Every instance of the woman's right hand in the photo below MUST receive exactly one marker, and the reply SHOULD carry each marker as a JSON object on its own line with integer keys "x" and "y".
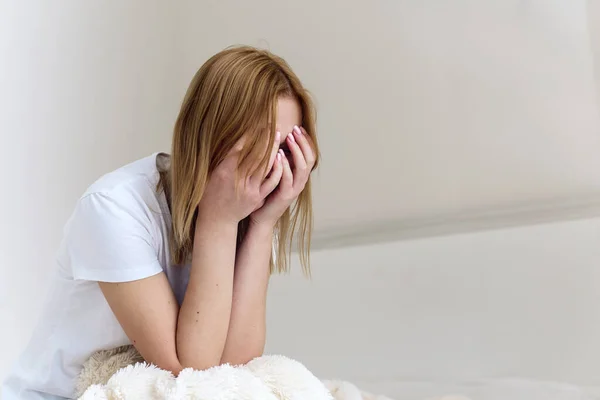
{"x": 221, "y": 201}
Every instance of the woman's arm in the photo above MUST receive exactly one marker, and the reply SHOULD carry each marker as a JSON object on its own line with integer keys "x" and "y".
{"x": 204, "y": 316}
{"x": 147, "y": 311}
{"x": 193, "y": 336}
{"x": 246, "y": 336}
{"x": 247, "y": 327}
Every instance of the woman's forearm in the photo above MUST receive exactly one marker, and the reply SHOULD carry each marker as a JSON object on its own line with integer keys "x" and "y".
{"x": 204, "y": 316}
{"x": 247, "y": 327}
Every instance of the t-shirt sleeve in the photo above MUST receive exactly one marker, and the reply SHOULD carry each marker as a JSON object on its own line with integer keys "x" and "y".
{"x": 110, "y": 240}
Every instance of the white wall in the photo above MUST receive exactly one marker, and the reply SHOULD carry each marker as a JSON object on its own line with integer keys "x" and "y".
{"x": 84, "y": 88}
{"x": 424, "y": 109}
{"x": 519, "y": 302}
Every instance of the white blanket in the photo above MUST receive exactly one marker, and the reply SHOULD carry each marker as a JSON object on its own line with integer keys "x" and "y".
{"x": 121, "y": 374}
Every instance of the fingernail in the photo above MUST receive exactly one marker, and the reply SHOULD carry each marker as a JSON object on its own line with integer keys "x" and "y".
{"x": 280, "y": 153}
{"x": 278, "y": 156}
{"x": 291, "y": 137}
{"x": 278, "y": 136}
{"x": 297, "y": 130}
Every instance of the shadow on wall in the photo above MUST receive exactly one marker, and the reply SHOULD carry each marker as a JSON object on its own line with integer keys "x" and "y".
{"x": 518, "y": 302}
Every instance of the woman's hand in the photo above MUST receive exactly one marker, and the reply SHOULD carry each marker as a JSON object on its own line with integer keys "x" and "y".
{"x": 223, "y": 202}
{"x": 292, "y": 182}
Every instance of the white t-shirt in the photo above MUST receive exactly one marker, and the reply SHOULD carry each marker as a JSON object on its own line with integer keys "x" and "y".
{"x": 117, "y": 233}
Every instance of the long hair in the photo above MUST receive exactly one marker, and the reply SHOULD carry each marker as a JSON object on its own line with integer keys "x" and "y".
{"x": 233, "y": 93}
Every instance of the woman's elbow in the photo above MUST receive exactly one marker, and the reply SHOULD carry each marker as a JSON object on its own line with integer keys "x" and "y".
{"x": 167, "y": 362}
{"x": 175, "y": 369}
{"x": 242, "y": 357}
{"x": 201, "y": 363}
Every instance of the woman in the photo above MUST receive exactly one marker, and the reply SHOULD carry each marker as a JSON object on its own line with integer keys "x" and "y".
{"x": 173, "y": 253}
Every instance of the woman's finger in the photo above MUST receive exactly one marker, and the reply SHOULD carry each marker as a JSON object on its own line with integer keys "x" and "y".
{"x": 259, "y": 176}
{"x": 305, "y": 143}
{"x": 273, "y": 180}
{"x": 287, "y": 178}
{"x": 300, "y": 165}
{"x": 274, "y": 152}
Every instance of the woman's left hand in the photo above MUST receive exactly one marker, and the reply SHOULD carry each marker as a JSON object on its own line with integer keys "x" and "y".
{"x": 292, "y": 182}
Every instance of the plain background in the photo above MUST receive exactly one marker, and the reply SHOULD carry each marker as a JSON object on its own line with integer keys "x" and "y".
{"x": 429, "y": 111}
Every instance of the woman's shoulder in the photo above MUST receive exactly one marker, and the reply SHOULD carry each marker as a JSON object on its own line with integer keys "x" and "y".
{"x": 118, "y": 226}
{"x": 127, "y": 196}
{"x": 137, "y": 176}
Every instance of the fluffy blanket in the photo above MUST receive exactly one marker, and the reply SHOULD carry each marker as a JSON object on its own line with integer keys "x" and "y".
{"x": 122, "y": 374}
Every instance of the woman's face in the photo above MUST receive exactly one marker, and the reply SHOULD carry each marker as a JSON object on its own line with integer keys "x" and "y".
{"x": 289, "y": 114}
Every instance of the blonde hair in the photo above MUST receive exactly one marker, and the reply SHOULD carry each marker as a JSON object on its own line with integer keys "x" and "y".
{"x": 235, "y": 92}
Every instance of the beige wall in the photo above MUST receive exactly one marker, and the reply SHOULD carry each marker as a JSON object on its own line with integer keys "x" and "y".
{"x": 431, "y": 108}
